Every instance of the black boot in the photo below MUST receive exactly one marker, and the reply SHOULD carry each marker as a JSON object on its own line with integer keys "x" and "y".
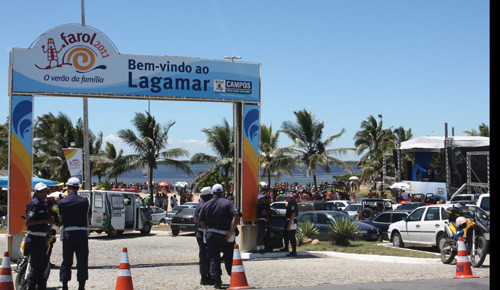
{"x": 81, "y": 285}
{"x": 65, "y": 285}
{"x": 207, "y": 280}
{"x": 218, "y": 284}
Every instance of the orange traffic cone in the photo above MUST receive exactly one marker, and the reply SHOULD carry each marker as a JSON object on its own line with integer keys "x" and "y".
{"x": 238, "y": 278}
{"x": 6, "y": 282}
{"x": 124, "y": 281}
{"x": 463, "y": 264}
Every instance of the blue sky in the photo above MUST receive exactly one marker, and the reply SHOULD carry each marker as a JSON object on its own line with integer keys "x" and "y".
{"x": 420, "y": 64}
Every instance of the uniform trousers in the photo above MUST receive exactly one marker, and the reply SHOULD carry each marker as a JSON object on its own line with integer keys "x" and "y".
{"x": 75, "y": 242}
{"x": 203, "y": 255}
{"x": 37, "y": 247}
{"x": 289, "y": 237}
{"x": 217, "y": 243}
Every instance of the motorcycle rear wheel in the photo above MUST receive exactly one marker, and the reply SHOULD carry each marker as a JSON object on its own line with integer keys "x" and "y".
{"x": 448, "y": 252}
{"x": 21, "y": 282}
{"x": 477, "y": 259}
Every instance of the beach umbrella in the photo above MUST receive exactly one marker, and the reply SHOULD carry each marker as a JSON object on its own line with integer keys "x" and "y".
{"x": 55, "y": 195}
{"x": 180, "y": 184}
{"x": 163, "y": 183}
{"x": 4, "y": 180}
{"x": 263, "y": 183}
{"x": 353, "y": 178}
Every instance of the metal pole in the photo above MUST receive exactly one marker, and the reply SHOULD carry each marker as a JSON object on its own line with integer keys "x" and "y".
{"x": 86, "y": 154}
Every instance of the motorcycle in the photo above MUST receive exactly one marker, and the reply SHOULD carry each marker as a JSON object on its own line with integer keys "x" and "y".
{"x": 24, "y": 263}
{"x": 475, "y": 233}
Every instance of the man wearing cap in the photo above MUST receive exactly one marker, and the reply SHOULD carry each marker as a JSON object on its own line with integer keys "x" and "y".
{"x": 74, "y": 210}
{"x": 38, "y": 222}
{"x": 292, "y": 211}
{"x": 220, "y": 217}
{"x": 206, "y": 195}
{"x": 263, "y": 214}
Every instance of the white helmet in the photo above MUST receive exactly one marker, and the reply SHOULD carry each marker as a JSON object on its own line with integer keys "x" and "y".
{"x": 460, "y": 221}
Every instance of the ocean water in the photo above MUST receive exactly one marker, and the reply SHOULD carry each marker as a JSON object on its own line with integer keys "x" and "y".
{"x": 172, "y": 175}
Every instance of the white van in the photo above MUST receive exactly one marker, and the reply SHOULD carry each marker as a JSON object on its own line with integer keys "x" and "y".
{"x": 114, "y": 212}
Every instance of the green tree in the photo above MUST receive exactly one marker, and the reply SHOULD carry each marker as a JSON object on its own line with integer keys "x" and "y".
{"x": 149, "y": 145}
{"x": 52, "y": 134}
{"x": 307, "y": 134}
{"x": 4, "y": 146}
{"x": 221, "y": 139}
{"x": 373, "y": 141}
{"x": 274, "y": 160}
{"x": 484, "y": 130}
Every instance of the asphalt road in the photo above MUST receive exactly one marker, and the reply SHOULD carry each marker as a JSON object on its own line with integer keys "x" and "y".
{"x": 442, "y": 284}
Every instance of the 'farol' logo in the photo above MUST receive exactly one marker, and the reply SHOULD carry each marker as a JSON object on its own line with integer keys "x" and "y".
{"x": 80, "y": 51}
{"x": 229, "y": 86}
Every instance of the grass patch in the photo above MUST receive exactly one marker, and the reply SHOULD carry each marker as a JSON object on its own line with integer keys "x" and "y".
{"x": 364, "y": 247}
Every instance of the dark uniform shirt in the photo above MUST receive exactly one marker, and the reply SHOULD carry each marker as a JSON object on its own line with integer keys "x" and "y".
{"x": 197, "y": 212}
{"x": 74, "y": 210}
{"x": 263, "y": 207}
{"x": 292, "y": 207}
{"x": 37, "y": 210}
{"x": 218, "y": 213}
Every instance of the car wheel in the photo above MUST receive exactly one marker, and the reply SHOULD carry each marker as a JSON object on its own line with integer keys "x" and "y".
{"x": 367, "y": 213}
{"x": 440, "y": 241}
{"x": 397, "y": 241}
{"x": 175, "y": 231}
{"x": 162, "y": 221}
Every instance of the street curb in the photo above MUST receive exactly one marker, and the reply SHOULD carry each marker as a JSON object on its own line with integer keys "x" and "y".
{"x": 361, "y": 257}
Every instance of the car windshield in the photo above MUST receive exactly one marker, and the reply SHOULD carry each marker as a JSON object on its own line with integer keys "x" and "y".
{"x": 338, "y": 214}
{"x": 179, "y": 207}
{"x": 353, "y": 207}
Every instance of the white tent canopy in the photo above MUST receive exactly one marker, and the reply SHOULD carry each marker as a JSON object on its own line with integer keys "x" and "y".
{"x": 437, "y": 142}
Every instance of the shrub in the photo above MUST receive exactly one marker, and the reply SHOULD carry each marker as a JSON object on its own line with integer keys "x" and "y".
{"x": 342, "y": 230}
{"x": 306, "y": 230}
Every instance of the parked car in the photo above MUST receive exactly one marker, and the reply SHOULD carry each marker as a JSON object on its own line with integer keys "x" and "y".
{"x": 158, "y": 215}
{"x": 353, "y": 210}
{"x": 383, "y": 219}
{"x": 410, "y": 206}
{"x": 323, "y": 220}
{"x": 280, "y": 207}
{"x": 341, "y": 204}
{"x": 425, "y": 226}
{"x": 371, "y": 206}
{"x": 463, "y": 199}
{"x": 316, "y": 205}
{"x": 183, "y": 221}
{"x": 177, "y": 209}
{"x": 484, "y": 202}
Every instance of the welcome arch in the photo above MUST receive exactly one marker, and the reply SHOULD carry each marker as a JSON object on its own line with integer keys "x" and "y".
{"x": 73, "y": 60}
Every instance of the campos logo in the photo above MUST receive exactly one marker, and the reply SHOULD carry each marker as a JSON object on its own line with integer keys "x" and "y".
{"x": 80, "y": 51}
{"x": 229, "y": 86}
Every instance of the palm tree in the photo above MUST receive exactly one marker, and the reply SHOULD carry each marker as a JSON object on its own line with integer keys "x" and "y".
{"x": 484, "y": 130}
{"x": 221, "y": 139}
{"x": 376, "y": 141}
{"x": 401, "y": 135}
{"x": 307, "y": 134}
{"x": 274, "y": 160}
{"x": 52, "y": 134}
{"x": 150, "y": 144}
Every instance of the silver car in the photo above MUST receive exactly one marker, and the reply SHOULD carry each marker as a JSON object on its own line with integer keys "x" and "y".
{"x": 158, "y": 215}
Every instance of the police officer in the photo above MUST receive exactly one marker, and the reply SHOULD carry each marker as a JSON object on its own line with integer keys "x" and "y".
{"x": 263, "y": 212}
{"x": 74, "y": 211}
{"x": 38, "y": 222}
{"x": 206, "y": 195}
{"x": 292, "y": 211}
{"x": 220, "y": 217}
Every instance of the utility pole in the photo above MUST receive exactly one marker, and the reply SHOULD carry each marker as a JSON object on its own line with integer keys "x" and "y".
{"x": 86, "y": 147}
